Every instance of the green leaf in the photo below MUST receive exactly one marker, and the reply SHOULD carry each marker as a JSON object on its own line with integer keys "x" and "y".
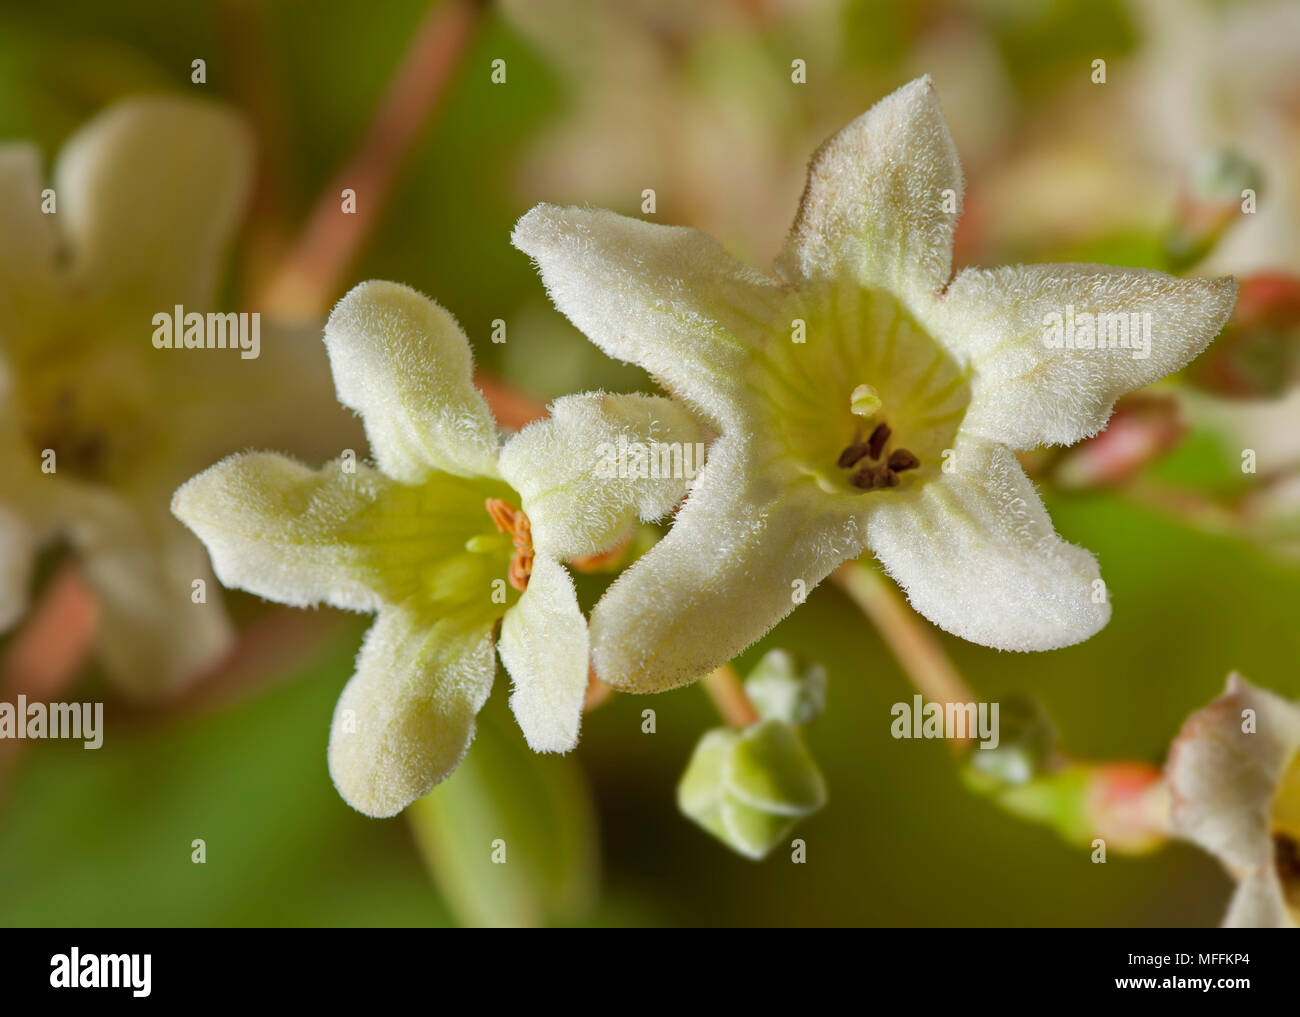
{"x": 510, "y": 837}
{"x": 105, "y": 838}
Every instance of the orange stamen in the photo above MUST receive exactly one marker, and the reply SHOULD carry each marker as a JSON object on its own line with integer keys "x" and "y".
{"x": 511, "y": 520}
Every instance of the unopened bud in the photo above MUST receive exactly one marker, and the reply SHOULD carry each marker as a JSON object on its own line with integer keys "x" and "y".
{"x": 782, "y": 687}
{"x": 750, "y": 788}
{"x": 1142, "y": 429}
{"x": 1026, "y": 740}
{"x": 1212, "y": 202}
{"x": 1258, "y": 353}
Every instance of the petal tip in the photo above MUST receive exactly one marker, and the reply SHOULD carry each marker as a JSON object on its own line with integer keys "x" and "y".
{"x": 540, "y": 227}
{"x": 357, "y": 302}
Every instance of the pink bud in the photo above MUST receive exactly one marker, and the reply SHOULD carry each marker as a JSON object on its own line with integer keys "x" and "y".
{"x": 1143, "y": 428}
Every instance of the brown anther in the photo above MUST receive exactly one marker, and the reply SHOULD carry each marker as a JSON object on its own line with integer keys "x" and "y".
{"x": 885, "y": 477}
{"x": 851, "y": 455}
{"x": 876, "y": 443}
{"x": 901, "y": 459}
{"x": 511, "y": 520}
{"x": 865, "y": 478}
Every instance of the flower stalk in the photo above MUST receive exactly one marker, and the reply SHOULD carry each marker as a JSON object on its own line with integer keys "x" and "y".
{"x": 728, "y": 694}
{"x": 913, "y": 644}
{"x": 310, "y": 275}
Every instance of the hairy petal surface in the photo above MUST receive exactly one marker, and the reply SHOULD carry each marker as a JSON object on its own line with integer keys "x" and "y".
{"x": 401, "y": 361}
{"x": 976, "y": 553}
{"x": 668, "y": 298}
{"x": 149, "y": 194}
{"x": 1223, "y": 779}
{"x": 277, "y": 528}
{"x": 740, "y": 551}
{"x": 543, "y": 645}
{"x": 407, "y": 716}
{"x": 873, "y": 210}
{"x": 567, "y": 468}
{"x": 344, "y": 535}
{"x": 1026, "y": 393}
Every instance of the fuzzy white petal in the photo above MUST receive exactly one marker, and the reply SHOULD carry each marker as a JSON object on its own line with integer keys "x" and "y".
{"x": 543, "y": 645}
{"x": 149, "y": 194}
{"x": 407, "y": 716}
{"x": 401, "y": 361}
{"x": 1258, "y": 903}
{"x": 976, "y": 553}
{"x": 1223, "y": 779}
{"x": 276, "y": 528}
{"x": 874, "y": 207}
{"x": 668, "y": 298}
{"x": 27, "y": 256}
{"x": 740, "y": 552}
{"x": 1026, "y": 394}
{"x": 567, "y": 472}
{"x": 151, "y": 635}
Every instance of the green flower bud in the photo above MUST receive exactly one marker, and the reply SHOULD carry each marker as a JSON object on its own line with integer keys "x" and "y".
{"x": 750, "y": 788}
{"x": 1056, "y": 800}
{"x": 783, "y": 687}
{"x": 1026, "y": 740}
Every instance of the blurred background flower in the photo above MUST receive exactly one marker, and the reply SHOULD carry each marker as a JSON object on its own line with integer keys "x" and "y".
{"x": 702, "y": 104}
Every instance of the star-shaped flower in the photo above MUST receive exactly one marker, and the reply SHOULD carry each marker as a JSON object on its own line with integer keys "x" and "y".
{"x": 97, "y": 426}
{"x": 1234, "y": 778}
{"x": 865, "y": 399}
{"x": 451, "y": 533}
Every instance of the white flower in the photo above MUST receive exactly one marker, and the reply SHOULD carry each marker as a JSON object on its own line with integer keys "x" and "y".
{"x": 448, "y": 536}
{"x": 864, "y": 330}
{"x": 1234, "y": 778}
{"x": 97, "y": 426}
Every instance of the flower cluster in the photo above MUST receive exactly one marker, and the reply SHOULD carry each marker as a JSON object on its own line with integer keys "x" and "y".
{"x": 96, "y": 426}
{"x": 863, "y": 399}
{"x": 860, "y": 400}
